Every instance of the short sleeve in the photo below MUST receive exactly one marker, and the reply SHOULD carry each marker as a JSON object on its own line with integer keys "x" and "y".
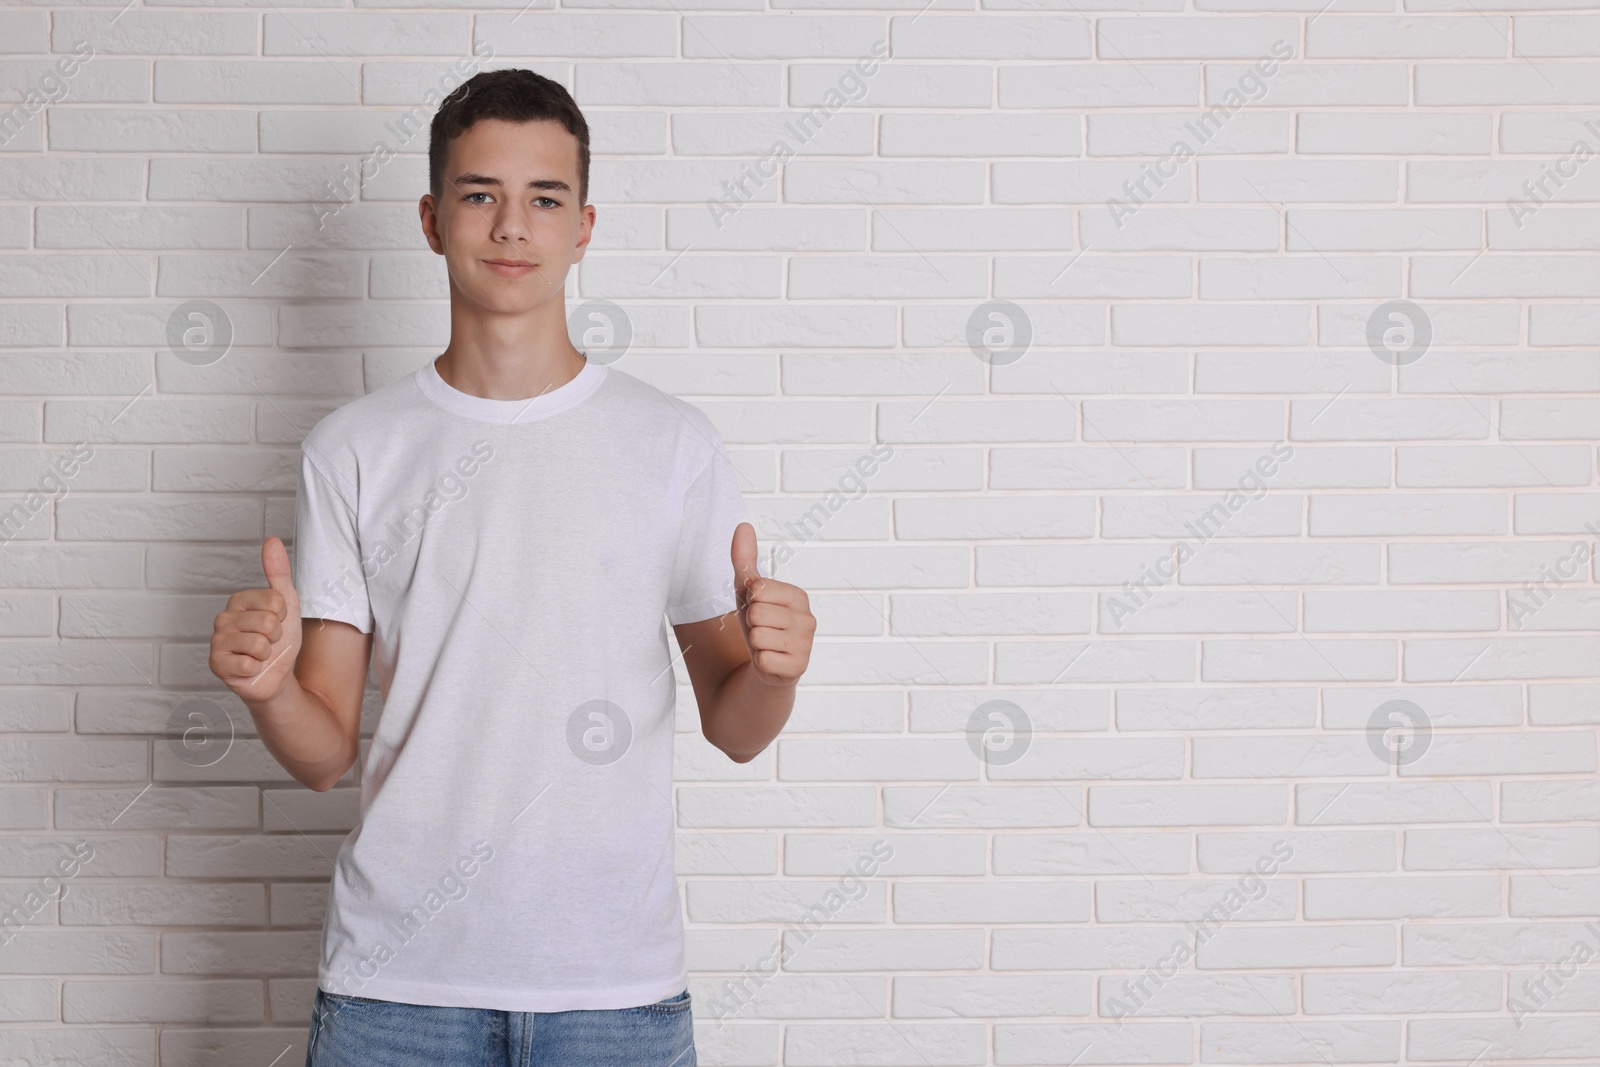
{"x": 327, "y": 552}
{"x": 702, "y": 579}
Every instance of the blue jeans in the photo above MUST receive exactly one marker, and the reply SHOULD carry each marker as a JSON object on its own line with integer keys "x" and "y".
{"x": 358, "y": 1032}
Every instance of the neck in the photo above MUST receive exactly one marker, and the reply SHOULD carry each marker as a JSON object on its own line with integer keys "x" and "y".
{"x": 507, "y": 375}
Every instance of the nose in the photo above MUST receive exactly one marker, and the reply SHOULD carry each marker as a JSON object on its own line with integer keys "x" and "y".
{"x": 509, "y": 224}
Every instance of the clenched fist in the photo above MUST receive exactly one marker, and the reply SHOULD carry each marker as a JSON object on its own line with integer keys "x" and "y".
{"x": 257, "y": 636}
{"x": 775, "y": 616}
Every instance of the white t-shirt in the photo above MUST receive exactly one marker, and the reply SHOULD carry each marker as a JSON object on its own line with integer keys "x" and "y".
{"x": 518, "y": 562}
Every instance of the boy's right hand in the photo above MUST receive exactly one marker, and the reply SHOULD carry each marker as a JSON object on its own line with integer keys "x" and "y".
{"x": 257, "y": 636}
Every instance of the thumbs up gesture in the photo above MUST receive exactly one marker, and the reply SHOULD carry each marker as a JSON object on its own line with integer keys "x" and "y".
{"x": 775, "y": 616}
{"x": 256, "y": 638}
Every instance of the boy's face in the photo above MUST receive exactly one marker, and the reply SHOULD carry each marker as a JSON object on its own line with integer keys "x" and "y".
{"x": 507, "y": 219}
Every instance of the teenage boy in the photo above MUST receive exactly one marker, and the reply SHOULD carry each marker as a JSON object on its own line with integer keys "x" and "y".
{"x": 515, "y": 525}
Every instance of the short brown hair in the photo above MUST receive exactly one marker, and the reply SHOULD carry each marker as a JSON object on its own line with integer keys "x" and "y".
{"x": 515, "y": 95}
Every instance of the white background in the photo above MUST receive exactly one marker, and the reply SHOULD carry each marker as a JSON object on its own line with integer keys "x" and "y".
{"x": 1170, "y": 750}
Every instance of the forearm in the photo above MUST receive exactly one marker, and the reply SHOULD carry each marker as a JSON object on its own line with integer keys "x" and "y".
{"x": 302, "y": 734}
{"x": 746, "y": 714}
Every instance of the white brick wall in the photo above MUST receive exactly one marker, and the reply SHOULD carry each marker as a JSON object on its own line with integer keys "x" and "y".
{"x": 1188, "y": 726}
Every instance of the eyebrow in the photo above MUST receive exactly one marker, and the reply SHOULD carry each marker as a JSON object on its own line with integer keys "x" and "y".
{"x": 537, "y": 183}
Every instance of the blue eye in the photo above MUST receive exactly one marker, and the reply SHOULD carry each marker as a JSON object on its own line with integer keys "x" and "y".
{"x": 543, "y": 199}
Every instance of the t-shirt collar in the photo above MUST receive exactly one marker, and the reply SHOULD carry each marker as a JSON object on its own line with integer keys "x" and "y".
{"x": 531, "y": 409}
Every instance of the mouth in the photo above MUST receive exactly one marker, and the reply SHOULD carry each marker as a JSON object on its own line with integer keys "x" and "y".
{"x": 508, "y": 268}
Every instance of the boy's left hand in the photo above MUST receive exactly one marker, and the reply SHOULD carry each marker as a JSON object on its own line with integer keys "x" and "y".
{"x": 775, "y": 616}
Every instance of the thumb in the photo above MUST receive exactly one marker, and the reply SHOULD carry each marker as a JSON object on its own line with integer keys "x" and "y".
{"x": 275, "y": 564}
{"x": 743, "y": 554}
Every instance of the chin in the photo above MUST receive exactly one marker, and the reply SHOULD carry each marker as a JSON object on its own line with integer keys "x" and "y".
{"x": 506, "y": 303}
